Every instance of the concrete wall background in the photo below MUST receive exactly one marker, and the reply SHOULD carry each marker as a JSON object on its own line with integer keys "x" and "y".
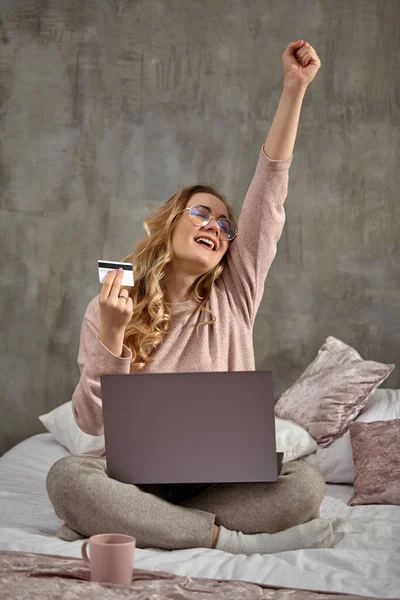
{"x": 109, "y": 107}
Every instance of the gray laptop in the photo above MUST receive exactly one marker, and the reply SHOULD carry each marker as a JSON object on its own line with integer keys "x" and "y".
{"x": 187, "y": 428}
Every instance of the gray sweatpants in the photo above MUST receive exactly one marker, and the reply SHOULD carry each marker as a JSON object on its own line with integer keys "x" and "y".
{"x": 90, "y": 502}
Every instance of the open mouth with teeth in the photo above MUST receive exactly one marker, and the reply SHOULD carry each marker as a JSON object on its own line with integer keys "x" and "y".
{"x": 206, "y": 243}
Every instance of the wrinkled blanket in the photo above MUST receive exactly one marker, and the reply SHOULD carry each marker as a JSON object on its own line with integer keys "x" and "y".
{"x": 29, "y": 576}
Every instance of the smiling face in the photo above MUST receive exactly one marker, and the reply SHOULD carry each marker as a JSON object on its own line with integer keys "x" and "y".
{"x": 193, "y": 256}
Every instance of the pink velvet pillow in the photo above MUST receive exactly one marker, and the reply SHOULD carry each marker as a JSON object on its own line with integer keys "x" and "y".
{"x": 376, "y": 462}
{"x": 332, "y": 391}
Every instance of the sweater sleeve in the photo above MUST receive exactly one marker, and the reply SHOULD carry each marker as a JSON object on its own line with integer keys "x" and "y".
{"x": 260, "y": 226}
{"x": 94, "y": 360}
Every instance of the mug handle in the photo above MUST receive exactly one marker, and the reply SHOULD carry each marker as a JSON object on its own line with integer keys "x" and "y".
{"x": 85, "y": 557}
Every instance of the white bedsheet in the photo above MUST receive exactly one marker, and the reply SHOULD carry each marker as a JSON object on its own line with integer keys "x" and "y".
{"x": 365, "y": 559}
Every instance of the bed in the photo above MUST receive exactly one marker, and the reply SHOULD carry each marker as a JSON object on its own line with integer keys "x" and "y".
{"x": 364, "y": 559}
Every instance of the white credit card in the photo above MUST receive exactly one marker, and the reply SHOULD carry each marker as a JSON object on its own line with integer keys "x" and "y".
{"x": 105, "y": 266}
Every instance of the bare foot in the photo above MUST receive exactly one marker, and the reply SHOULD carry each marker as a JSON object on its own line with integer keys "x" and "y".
{"x": 215, "y": 533}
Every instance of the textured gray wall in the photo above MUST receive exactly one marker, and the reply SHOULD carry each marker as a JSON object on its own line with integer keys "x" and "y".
{"x": 111, "y": 106}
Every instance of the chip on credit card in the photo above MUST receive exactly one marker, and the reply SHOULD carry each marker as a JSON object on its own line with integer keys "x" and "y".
{"x": 105, "y": 266}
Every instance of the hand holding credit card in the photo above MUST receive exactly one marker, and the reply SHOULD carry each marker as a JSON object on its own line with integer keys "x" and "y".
{"x": 116, "y": 307}
{"x": 104, "y": 266}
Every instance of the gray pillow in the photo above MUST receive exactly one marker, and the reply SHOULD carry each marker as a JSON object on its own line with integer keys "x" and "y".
{"x": 332, "y": 391}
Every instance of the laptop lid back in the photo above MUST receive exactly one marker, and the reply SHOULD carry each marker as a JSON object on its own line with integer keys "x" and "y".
{"x": 190, "y": 427}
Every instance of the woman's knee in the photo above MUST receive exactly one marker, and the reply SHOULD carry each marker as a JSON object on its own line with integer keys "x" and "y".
{"x": 57, "y": 476}
{"x": 310, "y": 486}
{"x": 64, "y": 476}
{"x": 316, "y": 481}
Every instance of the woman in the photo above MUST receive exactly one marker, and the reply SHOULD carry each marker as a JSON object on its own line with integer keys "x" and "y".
{"x": 196, "y": 262}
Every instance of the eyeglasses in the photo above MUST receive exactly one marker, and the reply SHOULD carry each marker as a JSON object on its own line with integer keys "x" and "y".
{"x": 201, "y": 216}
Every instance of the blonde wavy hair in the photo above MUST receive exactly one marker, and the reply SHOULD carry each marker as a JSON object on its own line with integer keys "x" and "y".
{"x": 151, "y": 310}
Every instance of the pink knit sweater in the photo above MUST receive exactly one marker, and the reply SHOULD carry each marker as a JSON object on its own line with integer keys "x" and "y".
{"x": 227, "y": 345}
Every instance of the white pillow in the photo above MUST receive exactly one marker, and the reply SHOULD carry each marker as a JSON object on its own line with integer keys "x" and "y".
{"x": 291, "y": 439}
{"x": 61, "y": 424}
{"x": 336, "y": 462}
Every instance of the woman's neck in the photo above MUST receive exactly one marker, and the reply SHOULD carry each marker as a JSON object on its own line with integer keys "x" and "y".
{"x": 177, "y": 286}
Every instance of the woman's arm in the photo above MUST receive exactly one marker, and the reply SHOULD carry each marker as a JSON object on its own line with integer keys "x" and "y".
{"x": 262, "y": 217}
{"x": 95, "y": 358}
{"x": 282, "y": 134}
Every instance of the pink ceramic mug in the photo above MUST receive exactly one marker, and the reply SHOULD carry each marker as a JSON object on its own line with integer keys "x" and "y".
{"x": 111, "y": 557}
